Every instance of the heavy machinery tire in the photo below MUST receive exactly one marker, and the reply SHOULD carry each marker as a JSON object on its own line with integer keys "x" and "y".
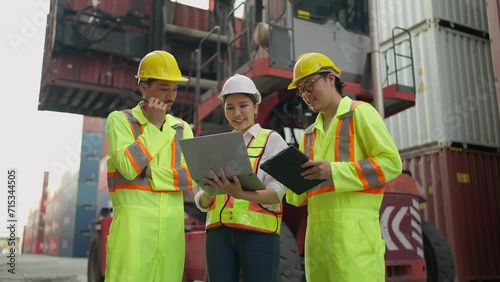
{"x": 94, "y": 259}
{"x": 290, "y": 265}
{"x": 438, "y": 256}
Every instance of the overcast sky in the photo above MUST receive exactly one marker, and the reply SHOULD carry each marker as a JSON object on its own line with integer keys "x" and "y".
{"x": 32, "y": 141}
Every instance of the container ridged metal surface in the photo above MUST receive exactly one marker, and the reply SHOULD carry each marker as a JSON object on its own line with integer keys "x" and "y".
{"x": 409, "y": 13}
{"x": 455, "y": 99}
{"x": 462, "y": 201}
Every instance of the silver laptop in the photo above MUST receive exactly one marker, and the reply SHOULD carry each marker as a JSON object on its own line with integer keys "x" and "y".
{"x": 216, "y": 151}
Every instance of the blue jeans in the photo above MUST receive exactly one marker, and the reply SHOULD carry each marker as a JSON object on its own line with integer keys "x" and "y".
{"x": 227, "y": 250}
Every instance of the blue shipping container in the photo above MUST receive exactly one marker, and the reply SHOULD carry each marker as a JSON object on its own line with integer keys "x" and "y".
{"x": 84, "y": 216}
{"x": 91, "y": 144}
{"x": 74, "y": 243}
{"x": 68, "y": 219}
{"x": 87, "y": 193}
{"x": 66, "y": 244}
{"x": 69, "y": 193}
{"x": 79, "y": 218}
{"x": 89, "y": 169}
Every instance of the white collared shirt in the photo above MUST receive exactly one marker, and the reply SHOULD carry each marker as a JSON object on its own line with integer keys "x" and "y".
{"x": 275, "y": 144}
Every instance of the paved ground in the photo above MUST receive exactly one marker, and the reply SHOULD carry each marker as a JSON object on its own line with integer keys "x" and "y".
{"x": 43, "y": 268}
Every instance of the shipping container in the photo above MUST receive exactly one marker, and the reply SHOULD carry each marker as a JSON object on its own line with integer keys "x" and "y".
{"x": 23, "y": 251}
{"x": 455, "y": 99}
{"x": 53, "y": 245}
{"x": 69, "y": 196}
{"x": 66, "y": 243}
{"x": 409, "y": 13}
{"x": 82, "y": 74}
{"x": 28, "y": 233}
{"x": 113, "y": 7}
{"x": 93, "y": 124}
{"x": 33, "y": 240}
{"x": 54, "y": 214}
{"x": 68, "y": 220}
{"x": 89, "y": 169}
{"x": 87, "y": 193}
{"x": 74, "y": 243}
{"x": 91, "y": 144}
{"x": 78, "y": 218}
{"x": 461, "y": 188}
{"x": 37, "y": 230}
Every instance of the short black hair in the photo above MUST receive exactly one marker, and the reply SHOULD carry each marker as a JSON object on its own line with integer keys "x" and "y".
{"x": 339, "y": 85}
{"x": 149, "y": 81}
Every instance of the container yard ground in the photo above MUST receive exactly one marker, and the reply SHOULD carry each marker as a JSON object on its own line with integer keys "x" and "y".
{"x": 43, "y": 268}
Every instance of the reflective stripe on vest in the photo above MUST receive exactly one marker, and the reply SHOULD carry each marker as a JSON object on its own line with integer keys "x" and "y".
{"x": 139, "y": 157}
{"x": 243, "y": 214}
{"x": 368, "y": 171}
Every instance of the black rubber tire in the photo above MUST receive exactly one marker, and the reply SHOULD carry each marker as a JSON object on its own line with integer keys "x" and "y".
{"x": 290, "y": 263}
{"x": 94, "y": 259}
{"x": 438, "y": 256}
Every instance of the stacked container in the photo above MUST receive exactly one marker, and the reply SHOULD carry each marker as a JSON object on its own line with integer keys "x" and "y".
{"x": 53, "y": 223}
{"x": 28, "y": 233}
{"x": 34, "y": 231}
{"x": 81, "y": 193}
{"x": 450, "y": 140}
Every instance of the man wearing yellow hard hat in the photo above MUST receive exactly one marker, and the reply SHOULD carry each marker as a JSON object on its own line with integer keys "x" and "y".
{"x": 350, "y": 148}
{"x": 146, "y": 178}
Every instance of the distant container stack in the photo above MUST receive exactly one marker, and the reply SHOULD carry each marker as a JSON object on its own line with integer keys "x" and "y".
{"x": 61, "y": 224}
{"x": 53, "y": 224}
{"x": 81, "y": 193}
{"x": 34, "y": 231}
{"x": 450, "y": 140}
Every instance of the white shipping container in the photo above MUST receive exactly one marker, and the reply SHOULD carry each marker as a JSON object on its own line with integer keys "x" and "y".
{"x": 410, "y": 13}
{"x": 456, "y": 99}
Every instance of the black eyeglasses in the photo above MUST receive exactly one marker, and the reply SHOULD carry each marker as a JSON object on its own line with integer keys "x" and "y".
{"x": 309, "y": 85}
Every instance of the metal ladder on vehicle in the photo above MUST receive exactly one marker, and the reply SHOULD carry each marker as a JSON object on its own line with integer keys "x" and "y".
{"x": 398, "y": 56}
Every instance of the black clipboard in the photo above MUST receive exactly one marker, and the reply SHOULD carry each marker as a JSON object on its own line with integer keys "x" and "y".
{"x": 285, "y": 167}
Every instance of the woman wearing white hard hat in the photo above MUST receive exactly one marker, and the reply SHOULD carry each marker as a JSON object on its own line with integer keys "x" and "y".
{"x": 242, "y": 227}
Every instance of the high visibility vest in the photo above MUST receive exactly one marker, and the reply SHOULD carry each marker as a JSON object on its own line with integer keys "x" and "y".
{"x": 367, "y": 171}
{"x": 243, "y": 214}
{"x": 139, "y": 157}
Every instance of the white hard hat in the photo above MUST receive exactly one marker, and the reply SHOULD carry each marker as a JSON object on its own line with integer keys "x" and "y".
{"x": 240, "y": 84}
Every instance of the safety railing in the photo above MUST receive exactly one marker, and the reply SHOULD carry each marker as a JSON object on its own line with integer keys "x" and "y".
{"x": 408, "y": 62}
{"x": 234, "y": 37}
{"x": 200, "y": 64}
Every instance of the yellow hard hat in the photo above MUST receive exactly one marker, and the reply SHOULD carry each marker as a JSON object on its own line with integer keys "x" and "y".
{"x": 159, "y": 65}
{"x": 311, "y": 63}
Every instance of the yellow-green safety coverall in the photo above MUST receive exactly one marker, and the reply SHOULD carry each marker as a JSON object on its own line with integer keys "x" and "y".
{"x": 343, "y": 236}
{"x": 146, "y": 240}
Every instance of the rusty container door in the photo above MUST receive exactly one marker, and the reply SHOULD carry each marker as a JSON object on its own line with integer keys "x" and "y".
{"x": 462, "y": 191}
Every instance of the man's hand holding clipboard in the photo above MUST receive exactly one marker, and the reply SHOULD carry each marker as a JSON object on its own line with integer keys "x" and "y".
{"x": 286, "y": 168}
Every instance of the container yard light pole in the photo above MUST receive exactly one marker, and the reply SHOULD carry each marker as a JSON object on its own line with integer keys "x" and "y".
{"x": 378, "y": 96}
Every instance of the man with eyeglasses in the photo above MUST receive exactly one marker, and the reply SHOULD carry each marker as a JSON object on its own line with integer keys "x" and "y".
{"x": 350, "y": 148}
